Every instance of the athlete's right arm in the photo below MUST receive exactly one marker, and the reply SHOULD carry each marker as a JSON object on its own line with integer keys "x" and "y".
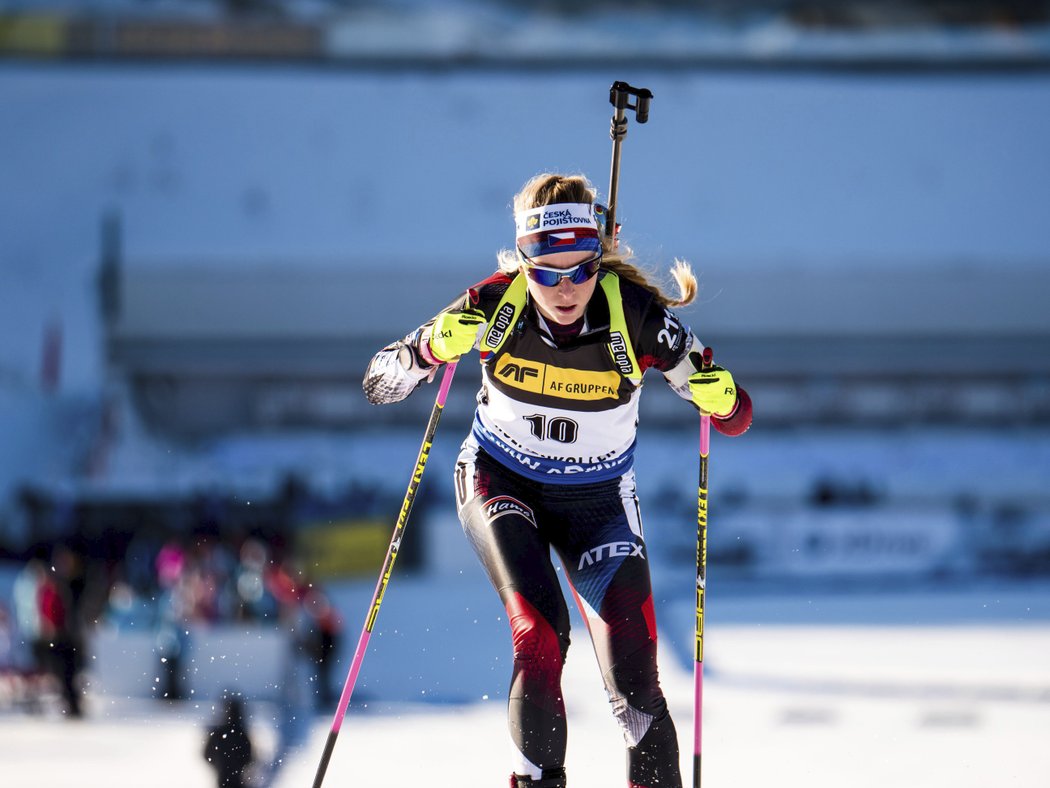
{"x": 397, "y": 370}
{"x": 401, "y": 367}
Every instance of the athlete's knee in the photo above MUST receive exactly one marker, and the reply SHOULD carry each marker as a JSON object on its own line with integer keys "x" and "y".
{"x": 637, "y": 701}
{"x": 636, "y": 722}
{"x": 538, "y": 642}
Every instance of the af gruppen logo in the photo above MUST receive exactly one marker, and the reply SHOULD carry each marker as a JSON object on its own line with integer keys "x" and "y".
{"x": 519, "y": 372}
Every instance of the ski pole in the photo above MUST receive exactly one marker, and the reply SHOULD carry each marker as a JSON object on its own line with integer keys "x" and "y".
{"x": 619, "y": 97}
{"x": 384, "y": 575}
{"x": 701, "y": 584}
{"x": 701, "y": 581}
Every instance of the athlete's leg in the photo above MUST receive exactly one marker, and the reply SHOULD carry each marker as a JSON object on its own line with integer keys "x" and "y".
{"x": 498, "y": 518}
{"x": 607, "y": 564}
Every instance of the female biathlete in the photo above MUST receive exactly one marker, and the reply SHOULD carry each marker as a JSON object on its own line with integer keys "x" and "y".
{"x": 566, "y": 328}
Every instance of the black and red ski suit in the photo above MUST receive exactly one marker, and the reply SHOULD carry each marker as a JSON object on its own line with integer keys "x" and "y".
{"x": 548, "y": 466}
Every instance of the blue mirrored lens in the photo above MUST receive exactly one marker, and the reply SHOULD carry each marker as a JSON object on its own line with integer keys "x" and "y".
{"x": 545, "y": 278}
{"x": 578, "y": 274}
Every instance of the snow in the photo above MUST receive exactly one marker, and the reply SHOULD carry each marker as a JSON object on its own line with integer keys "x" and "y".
{"x": 811, "y": 684}
{"x": 894, "y": 679}
{"x": 923, "y": 688}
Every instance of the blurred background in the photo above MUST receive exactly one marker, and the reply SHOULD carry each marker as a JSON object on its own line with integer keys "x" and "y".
{"x": 213, "y": 213}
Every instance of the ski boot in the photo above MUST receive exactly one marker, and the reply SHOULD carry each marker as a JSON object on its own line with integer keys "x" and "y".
{"x": 552, "y": 778}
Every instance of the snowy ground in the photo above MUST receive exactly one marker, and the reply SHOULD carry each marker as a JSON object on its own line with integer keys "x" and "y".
{"x": 926, "y": 689}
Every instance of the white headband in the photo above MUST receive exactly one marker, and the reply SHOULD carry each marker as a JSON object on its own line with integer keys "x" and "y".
{"x": 560, "y": 216}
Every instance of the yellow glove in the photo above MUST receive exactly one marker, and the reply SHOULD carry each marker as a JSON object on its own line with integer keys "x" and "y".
{"x": 454, "y": 333}
{"x": 713, "y": 390}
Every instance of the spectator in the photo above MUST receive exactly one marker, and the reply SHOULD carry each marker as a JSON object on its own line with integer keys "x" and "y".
{"x": 34, "y": 652}
{"x": 60, "y": 631}
{"x": 27, "y": 613}
{"x": 228, "y": 747}
{"x": 325, "y": 631}
{"x": 295, "y": 706}
{"x": 175, "y": 610}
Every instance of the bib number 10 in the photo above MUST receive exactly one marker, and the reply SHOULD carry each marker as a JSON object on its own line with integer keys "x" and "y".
{"x": 558, "y": 429}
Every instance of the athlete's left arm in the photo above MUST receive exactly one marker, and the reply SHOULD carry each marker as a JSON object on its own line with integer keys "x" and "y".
{"x": 667, "y": 344}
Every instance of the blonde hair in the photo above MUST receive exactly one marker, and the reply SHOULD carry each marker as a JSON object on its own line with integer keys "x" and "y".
{"x": 549, "y": 188}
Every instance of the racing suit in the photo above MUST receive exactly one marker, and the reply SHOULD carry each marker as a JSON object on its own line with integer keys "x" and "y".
{"x": 548, "y": 465}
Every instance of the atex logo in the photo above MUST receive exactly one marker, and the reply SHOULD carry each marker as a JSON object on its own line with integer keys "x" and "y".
{"x": 600, "y": 553}
{"x": 504, "y": 504}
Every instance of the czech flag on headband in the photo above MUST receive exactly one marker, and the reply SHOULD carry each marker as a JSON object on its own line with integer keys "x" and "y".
{"x": 567, "y": 238}
{"x": 579, "y": 239}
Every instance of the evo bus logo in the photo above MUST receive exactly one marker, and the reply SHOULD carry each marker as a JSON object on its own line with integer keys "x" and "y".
{"x": 610, "y": 550}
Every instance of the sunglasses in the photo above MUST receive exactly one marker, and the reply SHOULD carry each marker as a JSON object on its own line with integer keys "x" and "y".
{"x": 551, "y": 277}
